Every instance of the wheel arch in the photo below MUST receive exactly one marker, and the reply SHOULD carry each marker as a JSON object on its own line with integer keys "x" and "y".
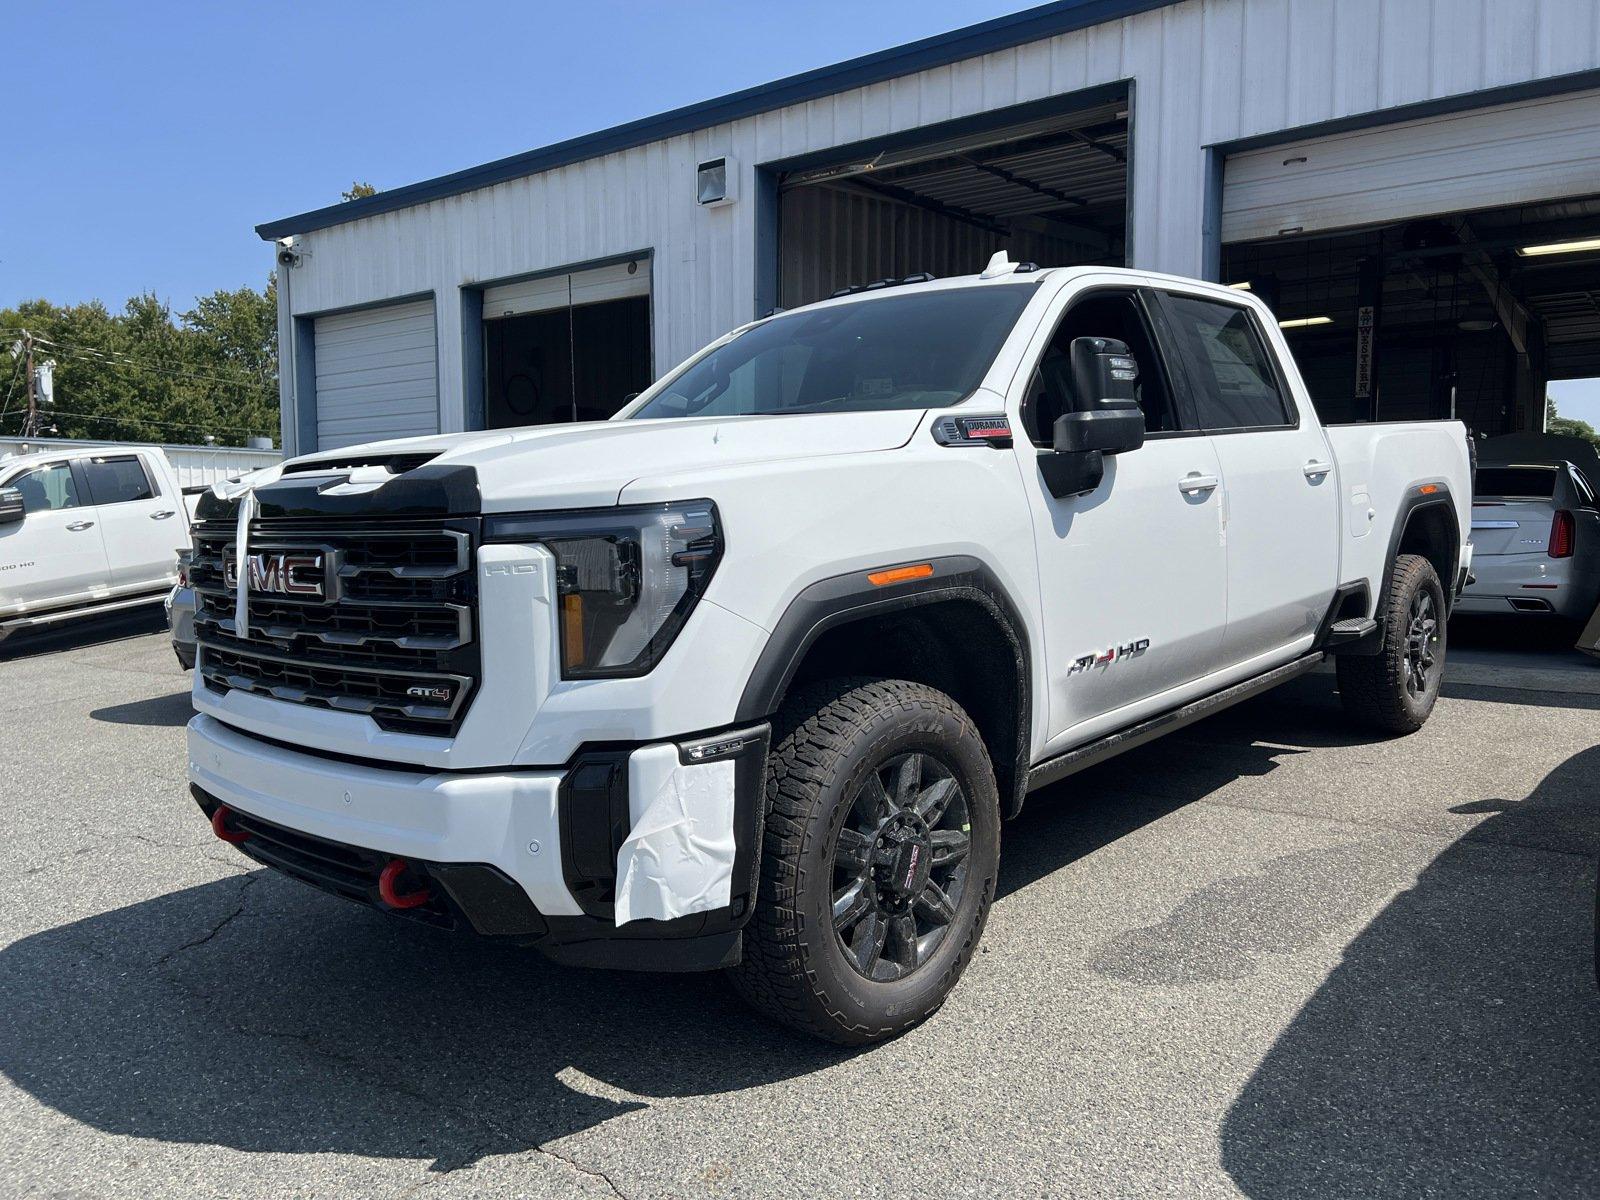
{"x": 1426, "y": 525}
{"x": 956, "y": 629}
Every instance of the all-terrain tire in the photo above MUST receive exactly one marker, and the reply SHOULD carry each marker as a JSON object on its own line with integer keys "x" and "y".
{"x": 1381, "y": 690}
{"x": 829, "y": 741}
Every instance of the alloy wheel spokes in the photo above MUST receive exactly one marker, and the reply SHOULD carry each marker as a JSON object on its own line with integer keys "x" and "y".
{"x": 899, "y": 865}
{"x": 950, "y": 846}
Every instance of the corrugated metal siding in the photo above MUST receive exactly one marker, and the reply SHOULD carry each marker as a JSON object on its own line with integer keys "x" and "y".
{"x": 377, "y": 374}
{"x": 1508, "y": 154}
{"x": 834, "y": 237}
{"x": 1204, "y": 72}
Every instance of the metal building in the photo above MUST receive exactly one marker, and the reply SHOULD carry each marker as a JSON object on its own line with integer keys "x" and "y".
{"x": 1414, "y": 185}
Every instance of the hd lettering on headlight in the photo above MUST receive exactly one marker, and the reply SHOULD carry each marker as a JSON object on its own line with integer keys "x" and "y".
{"x": 626, "y": 578}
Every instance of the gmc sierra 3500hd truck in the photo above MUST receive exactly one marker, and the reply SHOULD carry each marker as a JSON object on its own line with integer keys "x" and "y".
{"x": 749, "y": 675}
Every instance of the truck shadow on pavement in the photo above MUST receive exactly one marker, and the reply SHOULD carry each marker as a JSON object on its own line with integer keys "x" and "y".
{"x": 86, "y": 632}
{"x": 172, "y": 711}
{"x": 258, "y": 1014}
{"x": 1455, "y": 1049}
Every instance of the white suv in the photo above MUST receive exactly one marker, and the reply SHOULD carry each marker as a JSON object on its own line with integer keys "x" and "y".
{"x": 750, "y": 675}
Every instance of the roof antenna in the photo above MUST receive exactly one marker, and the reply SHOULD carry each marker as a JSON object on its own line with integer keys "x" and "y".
{"x": 999, "y": 265}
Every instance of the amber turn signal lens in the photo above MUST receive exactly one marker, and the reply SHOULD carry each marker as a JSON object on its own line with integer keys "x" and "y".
{"x": 900, "y": 574}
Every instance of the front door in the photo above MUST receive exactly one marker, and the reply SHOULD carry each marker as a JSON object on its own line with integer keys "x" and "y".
{"x": 1133, "y": 575}
{"x": 143, "y": 528}
{"x": 54, "y": 556}
{"x": 1280, "y": 489}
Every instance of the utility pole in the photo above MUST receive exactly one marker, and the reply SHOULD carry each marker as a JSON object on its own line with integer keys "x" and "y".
{"x": 30, "y": 423}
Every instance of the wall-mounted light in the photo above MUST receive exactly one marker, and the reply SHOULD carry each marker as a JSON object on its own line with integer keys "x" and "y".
{"x": 716, "y": 182}
{"x": 1304, "y": 322}
{"x": 1559, "y": 247}
{"x": 1241, "y": 286}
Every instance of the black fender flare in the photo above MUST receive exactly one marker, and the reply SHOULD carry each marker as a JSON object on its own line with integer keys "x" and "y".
{"x": 1417, "y": 501}
{"x": 843, "y": 599}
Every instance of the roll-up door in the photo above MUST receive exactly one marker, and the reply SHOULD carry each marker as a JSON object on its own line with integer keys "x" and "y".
{"x": 614, "y": 282}
{"x": 568, "y": 347}
{"x": 377, "y": 374}
{"x": 1491, "y": 157}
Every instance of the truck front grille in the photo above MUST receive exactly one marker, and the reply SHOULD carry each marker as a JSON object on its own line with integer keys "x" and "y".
{"x": 394, "y": 639}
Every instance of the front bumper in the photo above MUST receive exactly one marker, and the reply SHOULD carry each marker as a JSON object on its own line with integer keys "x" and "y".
{"x": 631, "y": 856}
{"x": 180, "y": 622}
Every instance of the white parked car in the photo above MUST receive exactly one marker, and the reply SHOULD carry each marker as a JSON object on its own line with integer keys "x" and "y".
{"x": 85, "y": 531}
{"x": 750, "y": 675}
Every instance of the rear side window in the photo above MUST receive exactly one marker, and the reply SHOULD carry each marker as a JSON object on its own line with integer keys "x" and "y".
{"x": 117, "y": 480}
{"x": 47, "y": 488}
{"x": 1524, "y": 483}
{"x": 1586, "y": 493}
{"x": 1232, "y": 375}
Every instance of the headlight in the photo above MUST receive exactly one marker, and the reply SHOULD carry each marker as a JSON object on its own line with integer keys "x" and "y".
{"x": 626, "y": 578}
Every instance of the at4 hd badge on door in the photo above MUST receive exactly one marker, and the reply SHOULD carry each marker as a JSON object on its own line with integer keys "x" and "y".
{"x": 1113, "y": 654}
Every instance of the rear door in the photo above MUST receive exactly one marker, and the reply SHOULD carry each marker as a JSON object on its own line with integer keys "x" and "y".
{"x": 143, "y": 527}
{"x": 54, "y": 556}
{"x": 1280, "y": 492}
{"x": 1132, "y": 575}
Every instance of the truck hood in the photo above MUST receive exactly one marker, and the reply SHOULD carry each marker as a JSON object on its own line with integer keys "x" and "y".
{"x": 589, "y": 463}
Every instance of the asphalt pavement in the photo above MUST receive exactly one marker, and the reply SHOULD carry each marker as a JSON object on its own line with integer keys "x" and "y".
{"x": 1271, "y": 955}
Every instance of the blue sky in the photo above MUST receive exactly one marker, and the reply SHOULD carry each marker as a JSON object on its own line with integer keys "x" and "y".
{"x": 147, "y": 140}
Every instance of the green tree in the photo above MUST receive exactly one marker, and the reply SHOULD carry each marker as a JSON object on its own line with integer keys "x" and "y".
{"x": 144, "y": 374}
{"x": 358, "y": 191}
{"x": 1554, "y": 422}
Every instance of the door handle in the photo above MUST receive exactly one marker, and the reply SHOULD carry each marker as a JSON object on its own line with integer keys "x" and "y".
{"x": 163, "y": 514}
{"x": 1194, "y": 482}
{"x": 80, "y": 526}
{"x": 1314, "y": 468}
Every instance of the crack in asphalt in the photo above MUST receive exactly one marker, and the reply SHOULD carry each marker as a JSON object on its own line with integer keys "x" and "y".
{"x": 248, "y": 881}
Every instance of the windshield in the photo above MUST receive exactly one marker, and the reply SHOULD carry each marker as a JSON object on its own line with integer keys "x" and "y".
{"x": 919, "y": 350}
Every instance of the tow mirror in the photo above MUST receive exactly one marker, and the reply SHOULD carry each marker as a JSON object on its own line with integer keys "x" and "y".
{"x": 1104, "y": 382}
{"x": 12, "y": 509}
{"x": 1108, "y": 419}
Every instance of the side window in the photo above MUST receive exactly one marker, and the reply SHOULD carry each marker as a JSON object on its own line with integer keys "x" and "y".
{"x": 1586, "y": 493}
{"x": 1230, "y": 370}
{"x": 46, "y": 488}
{"x": 117, "y": 480}
{"x": 1108, "y": 314}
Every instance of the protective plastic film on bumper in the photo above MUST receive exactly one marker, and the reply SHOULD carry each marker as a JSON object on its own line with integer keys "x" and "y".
{"x": 678, "y": 857}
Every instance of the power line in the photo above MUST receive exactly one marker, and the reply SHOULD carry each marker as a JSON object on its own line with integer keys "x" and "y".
{"x": 135, "y": 360}
{"x": 244, "y": 429}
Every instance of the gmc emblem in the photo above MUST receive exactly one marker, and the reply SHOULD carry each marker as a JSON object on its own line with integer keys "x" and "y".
{"x": 280, "y": 573}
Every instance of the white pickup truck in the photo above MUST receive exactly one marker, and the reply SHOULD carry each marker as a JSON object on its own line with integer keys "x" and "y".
{"x": 750, "y": 675}
{"x": 85, "y": 531}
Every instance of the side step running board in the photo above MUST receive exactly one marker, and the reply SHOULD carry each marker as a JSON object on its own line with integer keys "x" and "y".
{"x": 17, "y": 624}
{"x": 1053, "y": 770}
{"x": 1351, "y": 629}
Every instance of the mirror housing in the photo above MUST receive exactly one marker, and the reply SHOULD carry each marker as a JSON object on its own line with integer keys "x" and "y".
{"x": 1072, "y": 472}
{"x": 1105, "y": 378}
{"x": 12, "y": 509}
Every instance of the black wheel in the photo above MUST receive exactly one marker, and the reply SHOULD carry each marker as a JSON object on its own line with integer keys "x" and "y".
{"x": 881, "y": 850}
{"x": 1395, "y": 690}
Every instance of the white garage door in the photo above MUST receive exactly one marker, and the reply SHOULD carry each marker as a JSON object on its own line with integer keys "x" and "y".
{"x": 377, "y": 374}
{"x": 1510, "y": 154}
{"x": 613, "y": 282}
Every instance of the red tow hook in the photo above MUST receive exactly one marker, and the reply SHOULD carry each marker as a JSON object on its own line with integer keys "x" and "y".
{"x": 386, "y": 887}
{"x": 219, "y": 826}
